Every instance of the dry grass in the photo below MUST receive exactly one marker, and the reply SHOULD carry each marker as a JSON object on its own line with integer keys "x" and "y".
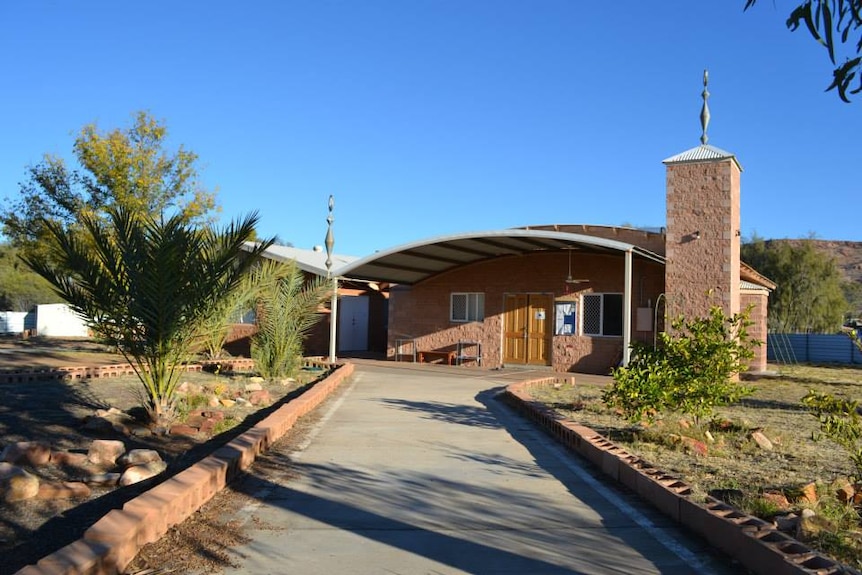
{"x": 734, "y": 460}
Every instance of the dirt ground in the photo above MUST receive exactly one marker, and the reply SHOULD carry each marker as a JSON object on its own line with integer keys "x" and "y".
{"x": 53, "y": 411}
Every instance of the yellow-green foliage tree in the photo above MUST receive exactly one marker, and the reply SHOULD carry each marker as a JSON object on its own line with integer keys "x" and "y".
{"x": 129, "y": 168}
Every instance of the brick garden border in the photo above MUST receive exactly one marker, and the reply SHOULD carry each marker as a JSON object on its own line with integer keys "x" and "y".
{"x": 111, "y": 543}
{"x": 758, "y": 545}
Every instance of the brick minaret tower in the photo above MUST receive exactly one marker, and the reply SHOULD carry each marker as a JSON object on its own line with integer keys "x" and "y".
{"x": 703, "y": 228}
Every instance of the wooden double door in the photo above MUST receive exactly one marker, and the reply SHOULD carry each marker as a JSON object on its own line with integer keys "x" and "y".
{"x": 527, "y": 322}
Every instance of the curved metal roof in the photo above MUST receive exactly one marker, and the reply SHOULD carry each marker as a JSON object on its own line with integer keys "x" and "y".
{"x": 414, "y": 262}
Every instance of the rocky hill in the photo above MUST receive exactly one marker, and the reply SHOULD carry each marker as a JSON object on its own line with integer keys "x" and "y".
{"x": 847, "y": 255}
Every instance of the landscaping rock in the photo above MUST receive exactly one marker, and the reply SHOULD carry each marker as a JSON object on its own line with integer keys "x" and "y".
{"x": 139, "y": 473}
{"x": 214, "y": 401}
{"x": 776, "y": 498}
{"x": 288, "y": 381}
{"x": 261, "y": 397}
{"x": 64, "y": 490}
{"x": 787, "y": 523}
{"x": 695, "y": 446}
{"x": 846, "y": 493}
{"x": 105, "y": 451}
{"x": 139, "y": 457}
{"x": 808, "y": 493}
{"x": 253, "y": 386}
{"x": 98, "y": 425}
{"x": 227, "y": 402}
{"x": 761, "y": 440}
{"x": 256, "y": 379}
{"x": 35, "y": 453}
{"x": 68, "y": 458}
{"x": 108, "y": 413}
{"x": 7, "y": 470}
{"x": 19, "y": 486}
{"x": 186, "y": 388}
{"x": 182, "y": 429}
{"x": 108, "y": 479}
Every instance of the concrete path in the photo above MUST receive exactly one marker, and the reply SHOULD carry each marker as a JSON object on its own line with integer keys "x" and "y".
{"x": 419, "y": 469}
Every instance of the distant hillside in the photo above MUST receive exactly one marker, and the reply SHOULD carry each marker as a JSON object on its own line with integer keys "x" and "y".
{"x": 847, "y": 255}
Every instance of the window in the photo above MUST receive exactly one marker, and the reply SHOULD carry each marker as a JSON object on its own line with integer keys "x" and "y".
{"x": 602, "y": 314}
{"x": 467, "y": 307}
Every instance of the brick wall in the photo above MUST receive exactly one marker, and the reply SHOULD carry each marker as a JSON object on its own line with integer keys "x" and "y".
{"x": 422, "y": 311}
{"x": 757, "y": 331}
{"x": 702, "y": 237}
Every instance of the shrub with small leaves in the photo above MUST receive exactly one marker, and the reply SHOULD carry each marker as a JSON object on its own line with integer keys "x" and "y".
{"x": 840, "y": 422}
{"x": 690, "y": 371}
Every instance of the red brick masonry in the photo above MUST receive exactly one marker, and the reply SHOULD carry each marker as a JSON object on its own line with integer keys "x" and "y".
{"x": 111, "y": 543}
{"x": 753, "y": 542}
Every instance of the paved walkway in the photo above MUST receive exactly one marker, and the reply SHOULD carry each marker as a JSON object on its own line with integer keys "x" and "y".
{"x": 418, "y": 469}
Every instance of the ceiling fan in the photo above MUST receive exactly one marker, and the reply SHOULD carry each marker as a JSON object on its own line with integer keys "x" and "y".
{"x": 569, "y": 279}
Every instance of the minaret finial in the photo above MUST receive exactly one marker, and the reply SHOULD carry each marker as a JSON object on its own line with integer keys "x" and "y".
{"x": 330, "y": 240}
{"x": 704, "y": 112}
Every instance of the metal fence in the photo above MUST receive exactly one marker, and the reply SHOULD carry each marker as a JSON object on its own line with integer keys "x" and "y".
{"x": 812, "y": 348}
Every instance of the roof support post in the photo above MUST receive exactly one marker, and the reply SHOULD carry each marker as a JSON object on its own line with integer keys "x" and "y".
{"x": 627, "y": 309}
{"x": 333, "y": 320}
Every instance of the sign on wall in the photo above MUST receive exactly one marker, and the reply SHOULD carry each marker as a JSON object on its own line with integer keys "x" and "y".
{"x": 564, "y": 318}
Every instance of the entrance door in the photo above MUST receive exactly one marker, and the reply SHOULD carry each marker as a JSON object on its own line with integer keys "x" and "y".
{"x": 353, "y": 323}
{"x": 525, "y": 329}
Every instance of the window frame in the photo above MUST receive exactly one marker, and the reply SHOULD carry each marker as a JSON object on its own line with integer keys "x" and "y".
{"x": 602, "y": 315}
{"x": 477, "y": 299}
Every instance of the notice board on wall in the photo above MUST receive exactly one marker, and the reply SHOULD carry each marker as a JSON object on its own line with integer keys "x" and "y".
{"x": 564, "y": 318}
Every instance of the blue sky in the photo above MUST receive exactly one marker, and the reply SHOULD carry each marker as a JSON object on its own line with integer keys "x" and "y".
{"x": 429, "y": 117}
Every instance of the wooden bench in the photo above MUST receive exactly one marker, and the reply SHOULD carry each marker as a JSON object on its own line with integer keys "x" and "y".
{"x": 445, "y": 356}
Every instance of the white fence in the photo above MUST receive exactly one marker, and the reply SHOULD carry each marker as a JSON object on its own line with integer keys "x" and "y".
{"x": 812, "y": 348}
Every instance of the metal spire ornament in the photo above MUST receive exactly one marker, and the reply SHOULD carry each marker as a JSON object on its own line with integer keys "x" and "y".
{"x": 704, "y": 111}
{"x": 333, "y": 316}
{"x": 330, "y": 240}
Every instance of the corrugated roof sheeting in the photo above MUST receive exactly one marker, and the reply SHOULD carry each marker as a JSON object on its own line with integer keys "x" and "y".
{"x": 415, "y": 262}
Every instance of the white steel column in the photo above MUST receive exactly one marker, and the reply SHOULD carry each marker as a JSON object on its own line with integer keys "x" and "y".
{"x": 627, "y": 309}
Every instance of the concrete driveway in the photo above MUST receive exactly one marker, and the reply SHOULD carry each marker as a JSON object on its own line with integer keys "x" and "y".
{"x": 419, "y": 469}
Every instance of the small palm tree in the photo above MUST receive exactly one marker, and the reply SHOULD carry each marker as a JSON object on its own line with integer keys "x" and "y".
{"x": 287, "y": 307}
{"x": 145, "y": 285}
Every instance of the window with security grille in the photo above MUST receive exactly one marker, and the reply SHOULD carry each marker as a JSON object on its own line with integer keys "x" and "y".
{"x": 602, "y": 314}
{"x": 467, "y": 307}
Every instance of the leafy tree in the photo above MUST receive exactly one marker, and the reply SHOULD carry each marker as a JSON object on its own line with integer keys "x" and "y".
{"x": 20, "y": 287}
{"x": 833, "y": 24}
{"x": 853, "y": 294}
{"x": 128, "y": 169}
{"x": 287, "y": 308}
{"x": 690, "y": 371}
{"x": 145, "y": 284}
{"x": 808, "y": 296}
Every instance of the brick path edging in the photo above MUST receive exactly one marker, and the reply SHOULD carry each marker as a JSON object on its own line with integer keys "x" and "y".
{"x": 756, "y": 544}
{"x": 111, "y": 543}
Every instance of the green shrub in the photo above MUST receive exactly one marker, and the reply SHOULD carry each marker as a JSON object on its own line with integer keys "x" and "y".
{"x": 840, "y": 422}
{"x": 689, "y": 372}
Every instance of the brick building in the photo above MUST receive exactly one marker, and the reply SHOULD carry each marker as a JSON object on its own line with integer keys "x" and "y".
{"x": 574, "y": 297}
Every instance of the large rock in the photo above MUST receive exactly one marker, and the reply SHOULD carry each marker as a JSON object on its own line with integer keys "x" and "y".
{"x": 261, "y": 397}
{"x": 139, "y": 457}
{"x": 105, "y": 452}
{"x": 138, "y": 473}
{"x": 69, "y": 459}
{"x": 35, "y": 453}
{"x": 762, "y": 440}
{"x": 64, "y": 490}
{"x": 109, "y": 479}
{"x": 19, "y": 486}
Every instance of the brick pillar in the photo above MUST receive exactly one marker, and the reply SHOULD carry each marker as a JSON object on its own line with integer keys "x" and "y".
{"x": 703, "y": 232}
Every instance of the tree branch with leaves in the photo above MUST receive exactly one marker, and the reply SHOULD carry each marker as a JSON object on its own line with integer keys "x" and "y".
{"x": 837, "y": 26}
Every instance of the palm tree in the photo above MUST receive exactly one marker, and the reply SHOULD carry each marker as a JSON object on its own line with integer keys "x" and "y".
{"x": 145, "y": 285}
{"x": 286, "y": 307}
